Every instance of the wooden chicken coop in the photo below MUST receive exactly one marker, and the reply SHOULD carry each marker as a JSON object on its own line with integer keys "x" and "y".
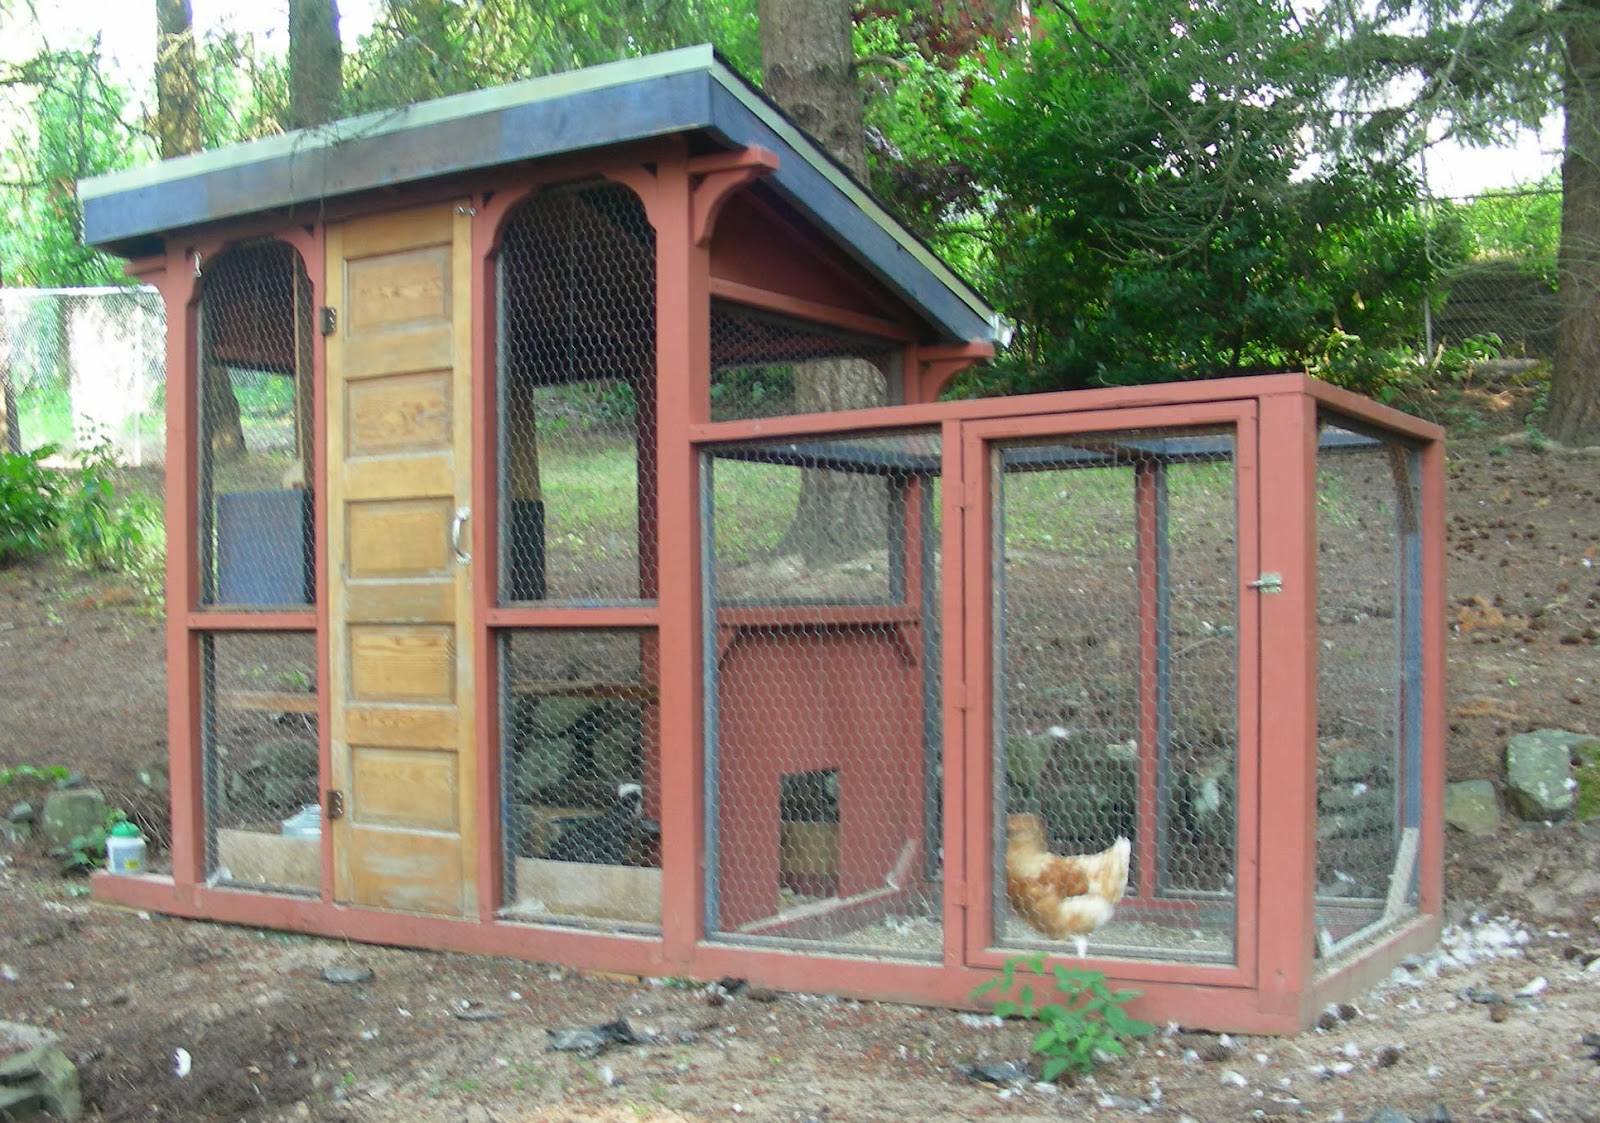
{"x": 573, "y": 556}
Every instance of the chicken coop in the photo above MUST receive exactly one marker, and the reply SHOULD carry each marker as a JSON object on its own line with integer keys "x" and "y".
{"x": 576, "y": 554}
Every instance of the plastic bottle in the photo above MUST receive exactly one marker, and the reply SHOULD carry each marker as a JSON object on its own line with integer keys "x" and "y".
{"x": 125, "y": 849}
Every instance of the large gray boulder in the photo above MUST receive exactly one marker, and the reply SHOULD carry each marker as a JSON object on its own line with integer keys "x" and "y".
{"x": 71, "y": 814}
{"x": 1539, "y": 780}
{"x": 1471, "y": 806}
{"x": 41, "y": 1079}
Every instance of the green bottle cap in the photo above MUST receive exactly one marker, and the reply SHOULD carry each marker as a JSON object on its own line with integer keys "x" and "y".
{"x": 125, "y": 829}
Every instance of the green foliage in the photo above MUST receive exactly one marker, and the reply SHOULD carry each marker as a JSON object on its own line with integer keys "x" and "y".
{"x": 1521, "y": 226}
{"x": 33, "y": 773}
{"x": 87, "y": 852}
{"x": 73, "y": 128}
{"x": 1088, "y": 1020}
{"x": 99, "y": 531}
{"x": 421, "y": 49}
{"x": 30, "y": 504}
{"x": 1151, "y": 212}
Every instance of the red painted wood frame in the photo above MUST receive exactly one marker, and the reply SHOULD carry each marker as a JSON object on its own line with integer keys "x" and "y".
{"x": 1274, "y": 985}
{"x": 979, "y": 439}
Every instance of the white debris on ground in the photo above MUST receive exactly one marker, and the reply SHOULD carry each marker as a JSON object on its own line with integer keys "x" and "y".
{"x": 981, "y": 1021}
{"x": 1477, "y": 941}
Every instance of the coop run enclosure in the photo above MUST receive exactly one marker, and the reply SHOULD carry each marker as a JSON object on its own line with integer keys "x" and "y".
{"x": 571, "y": 558}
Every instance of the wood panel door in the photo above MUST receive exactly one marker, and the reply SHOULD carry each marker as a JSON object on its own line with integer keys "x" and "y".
{"x": 399, "y": 477}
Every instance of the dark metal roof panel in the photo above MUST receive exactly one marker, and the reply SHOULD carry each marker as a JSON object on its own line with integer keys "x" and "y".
{"x": 683, "y": 91}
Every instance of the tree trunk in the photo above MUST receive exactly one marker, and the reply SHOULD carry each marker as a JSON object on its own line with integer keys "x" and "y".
{"x": 10, "y": 431}
{"x": 178, "y": 134}
{"x": 316, "y": 62}
{"x": 177, "y": 80}
{"x": 808, "y": 68}
{"x": 1573, "y": 416}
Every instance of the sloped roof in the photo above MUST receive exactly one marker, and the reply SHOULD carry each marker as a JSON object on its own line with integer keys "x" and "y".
{"x": 687, "y": 91}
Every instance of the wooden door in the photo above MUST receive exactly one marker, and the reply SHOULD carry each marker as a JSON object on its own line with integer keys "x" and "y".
{"x": 399, "y": 475}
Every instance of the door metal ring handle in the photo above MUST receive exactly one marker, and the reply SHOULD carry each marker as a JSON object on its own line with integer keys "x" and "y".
{"x": 461, "y": 517}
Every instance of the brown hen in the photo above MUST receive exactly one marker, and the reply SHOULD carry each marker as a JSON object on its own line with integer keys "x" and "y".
{"x": 1062, "y": 895}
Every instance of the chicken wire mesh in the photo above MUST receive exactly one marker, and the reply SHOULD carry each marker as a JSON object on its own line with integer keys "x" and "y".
{"x": 1368, "y": 685}
{"x": 83, "y": 366}
{"x": 823, "y": 740}
{"x": 579, "y": 783}
{"x": 1116, "y": 683}
{"x": 769, "y": 366}
{"x": 577, "y": 392}
{"x": 257, "y": 544}
{"x": 259, "y": 761}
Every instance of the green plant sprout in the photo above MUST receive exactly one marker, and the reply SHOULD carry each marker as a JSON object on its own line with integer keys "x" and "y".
{"x": 1087, "y": 1023}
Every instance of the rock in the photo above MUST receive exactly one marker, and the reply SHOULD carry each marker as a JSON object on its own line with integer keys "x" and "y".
{"x": 21, "y": 812}
{"x": 1538, "y": 768}
{"x": 346, "y": 976}
{"x": 14, "y": 834}
{"x": 1472, "y": 806}
{"x": 71, "y": 814}
{"x": 49, "y": 1078}
{"x": 154, "y": 777}
{"x": 18, "y": 1035}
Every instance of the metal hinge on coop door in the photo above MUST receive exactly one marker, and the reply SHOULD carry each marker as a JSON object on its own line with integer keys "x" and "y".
{"x": 335, "y": 804}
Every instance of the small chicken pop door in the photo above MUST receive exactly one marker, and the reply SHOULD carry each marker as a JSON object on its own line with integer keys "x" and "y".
{"x": 1118, "y": 637}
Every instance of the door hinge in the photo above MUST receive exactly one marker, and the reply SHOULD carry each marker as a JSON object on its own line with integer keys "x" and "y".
{"x": 1268, "y": 583}
{"x": 330, "y": 320}
{"x": 334, "y": 804}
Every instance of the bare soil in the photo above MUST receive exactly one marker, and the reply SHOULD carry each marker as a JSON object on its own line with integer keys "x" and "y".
{"x": 444, "y": 1037}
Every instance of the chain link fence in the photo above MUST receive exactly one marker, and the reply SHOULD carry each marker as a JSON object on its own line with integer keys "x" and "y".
{"x": 1499, "y": 303}
{"x": 78, "y": 366}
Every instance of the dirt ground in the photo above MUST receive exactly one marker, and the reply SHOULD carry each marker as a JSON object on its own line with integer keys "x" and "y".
{"x": 455, "y": 1038}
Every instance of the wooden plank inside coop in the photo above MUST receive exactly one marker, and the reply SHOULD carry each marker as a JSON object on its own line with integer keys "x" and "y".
{"x": 628, "y": 691}
{"x": 629, "y": 893}
{"x": 267, "y": 701}
{"x": 260, "y": 858}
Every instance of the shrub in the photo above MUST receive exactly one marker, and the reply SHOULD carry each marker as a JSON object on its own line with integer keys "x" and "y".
{"x": 1087, "y": 1024}
{"x": 30, "y": 504}
{"x": 99, "y": 531}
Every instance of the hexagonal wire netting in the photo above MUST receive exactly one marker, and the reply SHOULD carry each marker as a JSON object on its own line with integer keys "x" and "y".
{"x": 823, "y": 737}
{"x": 259, "y": 760}
{"x": 764, "y": 365}
{"x": 257, "y": 542}
{"x": 1116, "y": 677}
{"x": 1368, "y": 684}
{"x": 577, "y": 391}
{"x": 581, "y": 736}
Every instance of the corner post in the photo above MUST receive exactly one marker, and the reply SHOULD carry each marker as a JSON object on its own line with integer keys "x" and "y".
{"x": 1288, "y": 703}
{"x": 683, "y": 364}
{"x": 179, "y": 285}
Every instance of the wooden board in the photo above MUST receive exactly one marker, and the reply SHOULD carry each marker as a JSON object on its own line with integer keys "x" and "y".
{"x": 399, "y": 465}
{"x": 627, "y": 893}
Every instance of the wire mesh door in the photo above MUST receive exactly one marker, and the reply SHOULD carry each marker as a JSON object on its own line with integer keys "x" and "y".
{"x": 1114, "y": 672}
{"x": 824, "y": 742}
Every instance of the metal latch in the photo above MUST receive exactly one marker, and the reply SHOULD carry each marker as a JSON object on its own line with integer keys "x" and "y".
{"x": 335, "y": 804}
{"x": 330, "y": 320}
{"x": 1268, "y": 583}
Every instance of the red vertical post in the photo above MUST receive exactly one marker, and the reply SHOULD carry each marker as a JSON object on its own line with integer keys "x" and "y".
{"x": 179, "y": 290}
{"x": 683, "y": 362}
{"x": 1148, "y": 547}
{"x": 1288, "y": 731}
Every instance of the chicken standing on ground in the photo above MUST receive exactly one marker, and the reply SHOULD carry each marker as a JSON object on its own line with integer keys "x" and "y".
{"x": 1062, "y": 895}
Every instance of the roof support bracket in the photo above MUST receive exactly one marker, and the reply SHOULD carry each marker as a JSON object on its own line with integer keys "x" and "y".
{"x": 717, "y": 178}
{"x": 938, "y": 365}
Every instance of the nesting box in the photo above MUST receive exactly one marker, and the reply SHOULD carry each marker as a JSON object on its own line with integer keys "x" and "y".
{"x": 561, "y": 499}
